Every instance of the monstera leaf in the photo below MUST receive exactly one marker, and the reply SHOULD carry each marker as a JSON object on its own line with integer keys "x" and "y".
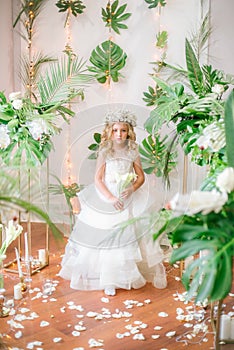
{"x": 107, "y": 59}
{"x": 114, "y": 15}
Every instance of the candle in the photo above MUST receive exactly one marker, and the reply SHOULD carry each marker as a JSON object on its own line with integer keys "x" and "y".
{"x": 232, "y": 329}
{"x": 18, "y": 263}
{"x": 26, "y": 247}
{"x": 42, "y": 256}
{"x": 17, "y": 292}
{"x": 225, "y": 327}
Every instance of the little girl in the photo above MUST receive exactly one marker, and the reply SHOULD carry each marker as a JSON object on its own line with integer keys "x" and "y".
{"x": 108, "y": 248}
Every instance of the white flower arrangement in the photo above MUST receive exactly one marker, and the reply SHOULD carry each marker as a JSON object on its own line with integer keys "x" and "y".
{"x": 123, "y": 116}
{"x": 26, "y": 129}
{"x": 124, "y": 180}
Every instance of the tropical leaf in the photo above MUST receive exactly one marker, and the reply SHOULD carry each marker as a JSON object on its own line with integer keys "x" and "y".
{"x": 157, "y": 156}
{"x": 113, "y": 16}
{"x": 63, "y": 80}
{"x": 36, "y": 62}
{"x": 95, "y": 146}
{"x": 107, "y": 59}
{"x": 194, "y": 70}
{"x": 75, "y": 7}
{"x": 155, "y": 3}
{"x": 161, "y": 39}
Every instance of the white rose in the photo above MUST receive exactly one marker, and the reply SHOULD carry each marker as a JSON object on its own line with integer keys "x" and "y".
{"x": 17, "y": 104}
{"x": 15, "y": 96}
{"x": 198, "y": 201}
{"x": 225, "y": 180}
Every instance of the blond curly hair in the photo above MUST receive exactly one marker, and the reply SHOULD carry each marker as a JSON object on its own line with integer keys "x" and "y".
{"x": 107, "y": 143}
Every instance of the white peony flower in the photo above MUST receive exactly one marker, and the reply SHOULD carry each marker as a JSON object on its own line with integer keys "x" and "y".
{"x": 198, "y": 201}
{"x": 225, "y": 180}
{"x": 17, "y": 104}
{"x": 4, "y": 137}
{"x": 218, "y": 89}
{"x": 37, "y": 128}
{"x": 15, "y": 96}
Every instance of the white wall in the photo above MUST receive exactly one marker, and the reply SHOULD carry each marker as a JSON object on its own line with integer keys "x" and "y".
{"x": 180, "y": 18}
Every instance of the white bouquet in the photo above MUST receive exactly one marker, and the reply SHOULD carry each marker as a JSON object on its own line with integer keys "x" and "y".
{"x": 124, "y": 180}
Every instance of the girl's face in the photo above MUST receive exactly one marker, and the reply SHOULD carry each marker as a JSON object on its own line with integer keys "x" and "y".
{"x": 119, "y": 132}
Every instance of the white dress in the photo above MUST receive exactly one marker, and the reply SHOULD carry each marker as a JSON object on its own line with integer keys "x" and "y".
{"x": 102, "y": 249}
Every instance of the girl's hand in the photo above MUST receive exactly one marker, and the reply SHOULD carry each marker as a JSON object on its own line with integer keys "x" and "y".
{"x": 117, "y": 203}
{"x": 127, "y": 192}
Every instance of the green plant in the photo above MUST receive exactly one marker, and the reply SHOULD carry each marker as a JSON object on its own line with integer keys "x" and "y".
{"x": 157, "y": 156}
{"x": 155, "y": 3}
{"x": 107, "y": 59}
{"x": 26, "y": 127}
{"x": 114, "y": 15}
{"x": 69, "y": 192}
{"x": 75, "y": 7}
{"x": 203, "y": 221}
{"x": 94, "y": 146}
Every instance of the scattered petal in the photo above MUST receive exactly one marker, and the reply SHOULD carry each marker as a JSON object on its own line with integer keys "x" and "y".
{"x": 18, "y": 334}
{"x": 57, "y": 340}
{"x": 155, "y": 336}
{"x": 163, "y": 314}
{"x": 105, "y": 300}
{"x": 157, "y": 328}
{"x": 44, "y": 324}
{"x": 138, "y": 336}
{"x": 170, "y": 334}
{"x": 76, "y": 334}
{"x": 91, "y": 314}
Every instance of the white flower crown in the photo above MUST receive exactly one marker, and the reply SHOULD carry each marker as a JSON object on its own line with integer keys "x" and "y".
{"x": 123, "y": 116}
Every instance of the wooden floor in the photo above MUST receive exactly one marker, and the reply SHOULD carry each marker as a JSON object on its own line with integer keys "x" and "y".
{"x": 70, "y": 319}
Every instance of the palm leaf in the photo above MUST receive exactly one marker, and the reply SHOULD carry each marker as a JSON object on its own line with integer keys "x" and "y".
{"x": 37, "y": 61}
{"x": 64, "y": 80}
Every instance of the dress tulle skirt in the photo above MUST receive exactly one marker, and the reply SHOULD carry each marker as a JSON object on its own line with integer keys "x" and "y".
{"x": 110, "y": 248}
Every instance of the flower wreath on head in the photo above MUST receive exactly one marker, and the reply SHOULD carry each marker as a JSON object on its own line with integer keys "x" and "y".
{"x": 123, "y": 116}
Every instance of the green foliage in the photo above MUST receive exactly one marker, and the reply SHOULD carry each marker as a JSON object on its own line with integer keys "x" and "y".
{"x": 95, "y": 146}
{"x": 157, "y": 156}
{"x": 75, "y": 7}
{"x": 30, "y": 126}
{"x": 155, "y": 3}
{"x": 150, "y": 96}
{"x": 113, "y": 16}
{"x": 28, "y": 6}
{"x": 209, "y": 275}
{"x": 63, "y": 80}
{"x": 229, "y": 128}
{"x": 161, "y": 39}
{"x": 69, "y": 192}
{"x": 107, "y": 59}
